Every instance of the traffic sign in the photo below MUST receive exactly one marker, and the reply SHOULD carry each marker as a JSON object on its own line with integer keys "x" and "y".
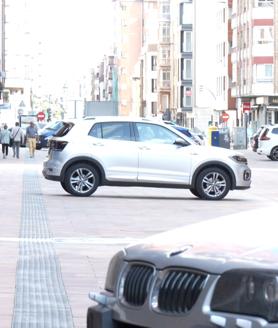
{"x": 225, "y": 116}
{"x": 246, "y": 106}
{"x": 40, "y": 116}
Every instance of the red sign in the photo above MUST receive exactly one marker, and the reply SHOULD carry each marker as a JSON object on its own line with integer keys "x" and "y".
{"x": 246, "y": 106}
{"x": 225, "y": 117}
{"x": 41, "y": 116}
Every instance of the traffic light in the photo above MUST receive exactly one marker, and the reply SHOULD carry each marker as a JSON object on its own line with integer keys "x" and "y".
{"x": 49, "y": 114}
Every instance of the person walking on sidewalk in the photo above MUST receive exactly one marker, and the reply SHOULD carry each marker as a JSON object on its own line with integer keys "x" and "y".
{"x": 5, "y": 140}
{"x": 31, "y": 134}
{"x": 17, "y": 136}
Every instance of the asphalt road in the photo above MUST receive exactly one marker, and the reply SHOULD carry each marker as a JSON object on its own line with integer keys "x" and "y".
{"x": 85, "y": 232}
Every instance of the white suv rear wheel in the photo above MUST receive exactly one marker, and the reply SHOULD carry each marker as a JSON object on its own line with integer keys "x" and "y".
{"x": 274, "y": 154}
{"x": 81, "y": 180}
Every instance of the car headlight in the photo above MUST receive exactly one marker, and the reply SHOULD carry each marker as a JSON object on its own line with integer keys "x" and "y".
{"x": 239, "y": 159}
{"x": 113, "y": 271}
{"x": 247, "y": 292}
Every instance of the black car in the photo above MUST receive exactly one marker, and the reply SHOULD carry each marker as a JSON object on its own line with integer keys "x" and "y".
{"x": 47, "y": 132}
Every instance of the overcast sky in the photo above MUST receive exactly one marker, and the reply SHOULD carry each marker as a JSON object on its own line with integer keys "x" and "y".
{"x": 76, "y": 34}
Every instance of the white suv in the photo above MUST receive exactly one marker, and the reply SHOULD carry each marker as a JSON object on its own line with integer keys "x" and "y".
{"x": 268, "y": 142}
{"x": 136, "y": 152}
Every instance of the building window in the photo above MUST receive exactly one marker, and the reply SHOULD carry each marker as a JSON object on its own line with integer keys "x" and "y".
{"x": 154, "y": 108}
{"x": 165, "y": 32}
{"x": 186, "y": 69}
{"x": 186, "y": 96}
{"x": 186, "y": 41}
{"x": 165, "y": 79}
{"x": 186, "y": 12}
{"x": 165, "y": 11}
{"x": 263, "y": 35}
{"x": 165, "y": 56}
{"x": 154, "y": 85}
{"x": 154, "y": 62}
{"x": 276, "y": 118}
{"x": 263, "y": 3}
{"x": 264, "y": 73}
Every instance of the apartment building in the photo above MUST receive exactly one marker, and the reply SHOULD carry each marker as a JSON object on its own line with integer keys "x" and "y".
{"x": 142, "y": 43}
{"x": 254, "y": 61}
{"x": 225, "y": 103}
{"x": 103, "y": 80}
{"x": 182, "y": 74}
{"x": 128, "y": 21}
{"x": 161, "y": 56}
{"x": 2, "y": 51}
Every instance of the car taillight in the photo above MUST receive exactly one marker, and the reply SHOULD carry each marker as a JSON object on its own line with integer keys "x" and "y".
{"x": 57, "y": 145}
{"x": 264, "y": 135}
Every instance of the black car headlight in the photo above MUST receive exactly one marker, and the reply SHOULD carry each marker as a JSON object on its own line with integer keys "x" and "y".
{"x": 247, "y": 292}
{"x": 114, "y": 270}
{"x": 239, "y": 159}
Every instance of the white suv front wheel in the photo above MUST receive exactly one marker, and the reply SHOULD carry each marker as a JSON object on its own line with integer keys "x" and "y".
{"x": 213, "y": 184}
{"x": 81, "y": 180}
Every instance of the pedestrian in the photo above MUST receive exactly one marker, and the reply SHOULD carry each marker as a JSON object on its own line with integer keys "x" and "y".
{"x": 5, "y": 140}
{"x": 17, "y": 135}
{"x": 32, "y": 134}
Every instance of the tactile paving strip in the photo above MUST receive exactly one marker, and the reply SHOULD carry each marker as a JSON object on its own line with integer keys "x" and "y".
{"x": 40, "y": 297}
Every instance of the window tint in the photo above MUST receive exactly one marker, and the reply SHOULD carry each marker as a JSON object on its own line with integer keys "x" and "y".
{"x": 155, "y": 133}
{"x": 96, "y": 131}
{"x": 111, "y": 130}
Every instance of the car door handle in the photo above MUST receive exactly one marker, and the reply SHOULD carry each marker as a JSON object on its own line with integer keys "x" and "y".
{"x": 98, "y": 144}
{"x": 144, "y": 148}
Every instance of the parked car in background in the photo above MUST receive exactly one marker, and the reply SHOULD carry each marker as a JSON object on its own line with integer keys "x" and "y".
{"x": 268, "y": 142}
{"x": 210, "y": 274}
{"x": 186, "y": 131}
{"x": 47, "y": 132}
{"x": 254, "y": 140}
{"x": 137, "y": 152}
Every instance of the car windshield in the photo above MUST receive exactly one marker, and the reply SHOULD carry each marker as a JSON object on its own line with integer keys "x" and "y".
{"x": 53, "y": 126}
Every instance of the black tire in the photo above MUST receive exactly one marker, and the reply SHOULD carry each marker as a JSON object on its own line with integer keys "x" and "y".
{"x": 194, "y": 192}
{"x": 213, "y": 184}
{"x": 64, "y": 186}
{"x": 81, "y": 180}
{"x": 274, "y": 154}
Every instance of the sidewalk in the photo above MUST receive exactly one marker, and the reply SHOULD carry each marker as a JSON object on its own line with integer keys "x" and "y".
{"x": 46, "y": 274}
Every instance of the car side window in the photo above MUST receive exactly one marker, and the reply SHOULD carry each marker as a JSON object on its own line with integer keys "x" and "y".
{"x": 112, "y": 130}
{"x": 155, "y": 133}
{"x": 96, "y": 131}
{"x": 275, "y": 131}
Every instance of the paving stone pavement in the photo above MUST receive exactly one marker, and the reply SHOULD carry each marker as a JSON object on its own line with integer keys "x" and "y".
{"x": 46, "y": 273}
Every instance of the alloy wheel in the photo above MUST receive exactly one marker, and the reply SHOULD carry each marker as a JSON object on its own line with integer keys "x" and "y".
{"x": 214, "y": 184}
{"x": 274, "y": 154}
{"x": 81, "y": 179}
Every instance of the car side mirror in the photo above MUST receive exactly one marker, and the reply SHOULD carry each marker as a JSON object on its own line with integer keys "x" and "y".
{"x": 180, "y": 142}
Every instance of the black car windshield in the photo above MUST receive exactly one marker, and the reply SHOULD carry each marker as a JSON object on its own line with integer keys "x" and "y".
{"x": 53, "y": 126}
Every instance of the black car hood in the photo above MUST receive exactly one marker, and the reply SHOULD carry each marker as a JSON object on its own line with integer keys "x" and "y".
{"x": 245, "y": 240}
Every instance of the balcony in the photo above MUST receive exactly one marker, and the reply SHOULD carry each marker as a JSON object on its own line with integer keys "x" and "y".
{"x": 164, "y": 62}
{"x": 165, "y": 85}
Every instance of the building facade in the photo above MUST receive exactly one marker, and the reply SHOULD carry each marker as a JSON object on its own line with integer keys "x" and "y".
{"x": 225, "y": 103}
{"x": 254, "y": 85}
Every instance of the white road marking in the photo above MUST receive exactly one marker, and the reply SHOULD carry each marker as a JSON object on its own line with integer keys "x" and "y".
{"x": 74, "y": 240}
